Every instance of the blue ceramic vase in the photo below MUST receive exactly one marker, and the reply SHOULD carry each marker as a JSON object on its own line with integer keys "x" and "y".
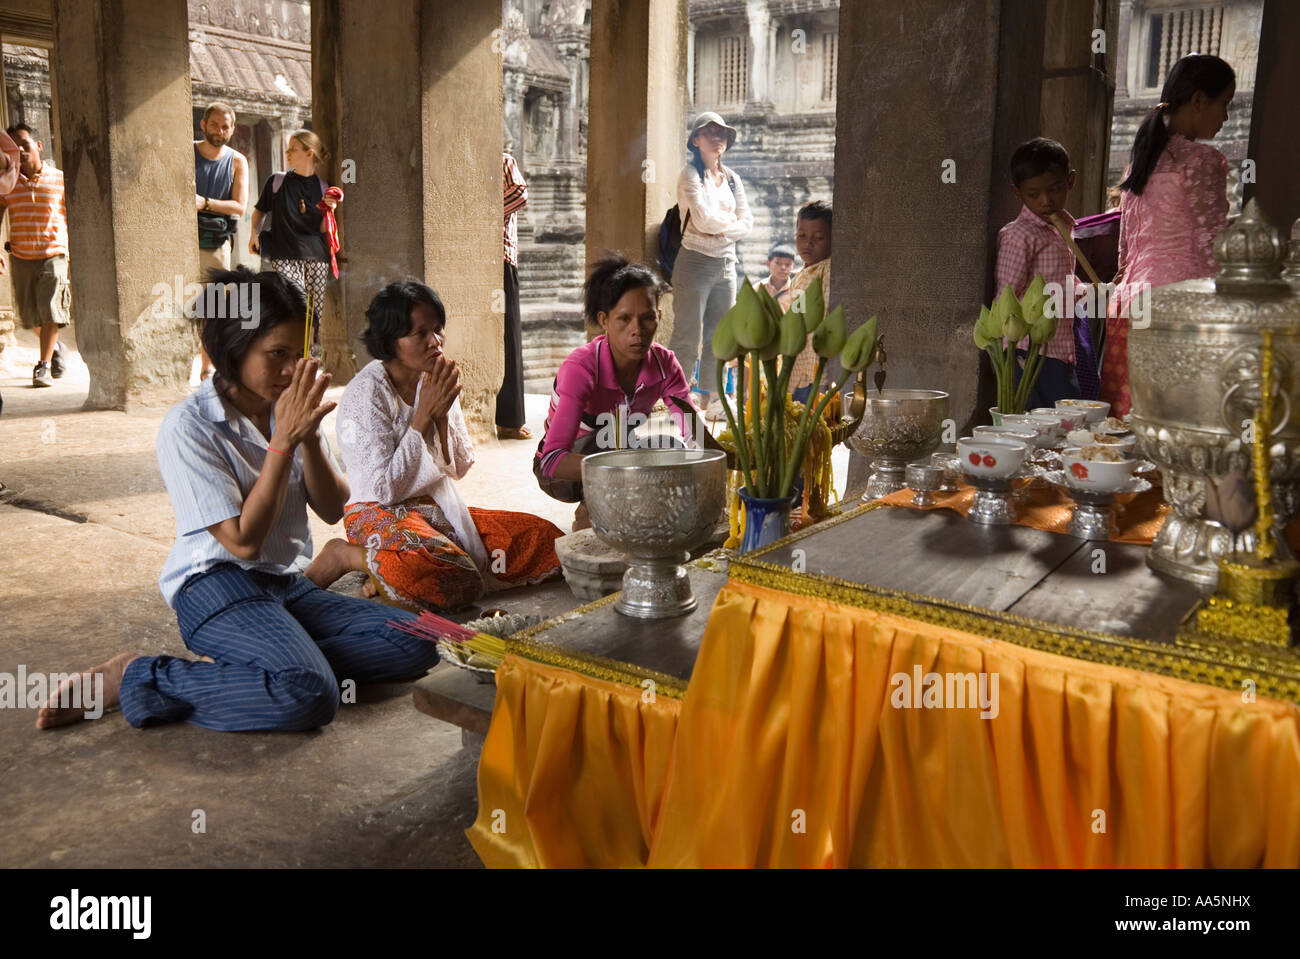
{"x": 766, "y": 520}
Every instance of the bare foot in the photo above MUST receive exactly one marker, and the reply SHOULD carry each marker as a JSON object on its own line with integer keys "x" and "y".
{"x": 337, "y": 557}
{"x": 81, "y": 689}
{"x": 368, "y": 589}
{"x": 206, "y": 659}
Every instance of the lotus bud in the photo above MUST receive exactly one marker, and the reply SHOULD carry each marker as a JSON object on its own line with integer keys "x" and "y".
{"x": 770, "y": 306}
{"x": 985, "y": 331}
{"x": 1033, "y": 303}
{"x": 814, "y": 305}
{"x": 1042, "y": 329}
{"x": 793, "y": 335}
{"x": 859, "y": 347}
{"x": 752, "y": 326}
{"x": 1014, "y": 326}
{"x": 829, "y": 337}
{"x": 725, "y": 346}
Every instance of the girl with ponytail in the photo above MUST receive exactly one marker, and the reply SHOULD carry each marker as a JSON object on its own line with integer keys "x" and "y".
{"x": 1174, "y": 201}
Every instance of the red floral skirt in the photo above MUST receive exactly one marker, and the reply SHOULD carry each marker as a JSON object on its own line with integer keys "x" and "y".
{"x": 415, "y": 561}
{"x": 1114, "y": 368}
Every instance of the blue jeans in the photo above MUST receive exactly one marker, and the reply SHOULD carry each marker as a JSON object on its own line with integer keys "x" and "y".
{"x": 281, "y": 646}
{"x": 704, "y": 288}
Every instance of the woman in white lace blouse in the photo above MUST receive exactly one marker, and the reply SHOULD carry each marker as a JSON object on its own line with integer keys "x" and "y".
{"x": 404, "y": 444}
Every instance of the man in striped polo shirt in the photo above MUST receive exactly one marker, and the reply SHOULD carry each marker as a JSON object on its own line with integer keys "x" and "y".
{"x": 38, "y": 242}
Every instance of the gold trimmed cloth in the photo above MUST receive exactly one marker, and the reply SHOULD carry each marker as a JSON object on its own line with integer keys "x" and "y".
{"x": 791, "y": 751}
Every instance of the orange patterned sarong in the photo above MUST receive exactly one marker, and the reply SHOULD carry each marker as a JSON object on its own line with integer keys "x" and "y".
{"x": 415, "y": 561}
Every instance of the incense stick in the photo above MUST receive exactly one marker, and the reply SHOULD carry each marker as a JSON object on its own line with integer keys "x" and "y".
{"x": 306, "y": 336}
{"x": 1074, "y": 247}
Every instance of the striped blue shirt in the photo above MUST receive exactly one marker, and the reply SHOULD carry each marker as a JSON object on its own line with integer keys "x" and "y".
{"x": 210, "y": 456}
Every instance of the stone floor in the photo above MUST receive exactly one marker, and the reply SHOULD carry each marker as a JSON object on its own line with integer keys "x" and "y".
{"x": 85, "y": 525}
{"x": 84, "y": 528}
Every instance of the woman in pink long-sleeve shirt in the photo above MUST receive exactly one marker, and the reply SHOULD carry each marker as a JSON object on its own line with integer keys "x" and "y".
{"x": 623, "y": 369}
{"x": 1174, "y": 203}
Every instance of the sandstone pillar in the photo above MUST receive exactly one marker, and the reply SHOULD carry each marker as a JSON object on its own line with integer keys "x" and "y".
{"x": 1274, "y": 139}
{"x": 910, "y": 247}
{"x": 123, "y": 85}
{"x": 1121, "y": 48}
{"x": 1079, "y": 68}
{"x": 690, "y": 65}
{"x": 759, "y": 22}
{"x": 636, "y": 124}
{"x": 423, "y": 133}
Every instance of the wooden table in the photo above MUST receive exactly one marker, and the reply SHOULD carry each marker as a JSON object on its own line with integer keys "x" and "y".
{"x": 667, "y": 645}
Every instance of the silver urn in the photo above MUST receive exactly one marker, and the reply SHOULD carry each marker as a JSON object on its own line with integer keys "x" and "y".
{"x": 655, "y": 506}
{"x": 898, "y": 426}
{"x": 1194, "y": 377}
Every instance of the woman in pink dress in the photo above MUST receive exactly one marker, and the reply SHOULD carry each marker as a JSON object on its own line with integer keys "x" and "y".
{"x": 1174, "y": 203}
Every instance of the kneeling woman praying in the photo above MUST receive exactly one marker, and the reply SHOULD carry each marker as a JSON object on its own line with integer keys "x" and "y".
{"x": 242, "y": 459}
{"x": 404, "y": 443}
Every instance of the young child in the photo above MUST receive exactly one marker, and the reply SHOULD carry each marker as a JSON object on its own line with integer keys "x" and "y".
{"x": 813, "y": 240}
{"x": 1030, "y": 245}
{"x": 1174, "y": 203}
{"x": 780, "y": 264}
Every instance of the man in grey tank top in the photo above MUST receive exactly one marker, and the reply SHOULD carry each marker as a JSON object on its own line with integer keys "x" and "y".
{"x": 220, "y": 194}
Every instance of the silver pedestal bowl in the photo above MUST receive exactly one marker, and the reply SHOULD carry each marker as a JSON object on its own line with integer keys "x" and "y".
{"x": 898, "y": 426}
{"x": 655, "y": 506}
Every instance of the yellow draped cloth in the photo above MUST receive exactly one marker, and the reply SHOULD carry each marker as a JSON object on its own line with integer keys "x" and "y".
{"x": 788, "y": 751}
{"x": 573, "y": 769}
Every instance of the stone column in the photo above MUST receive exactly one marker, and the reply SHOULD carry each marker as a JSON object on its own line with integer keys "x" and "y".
{"x": 427, "y": 149}
{"x": 571, "y": 44}
{"x": 513, "y": 87}
{"x": 1121, "y": 49}
{"x": 916, "y": 250}
{"x": 690, "y": 66}
{"x": 759, "y": 22}
{"x": 122, "y": 75}
{"x": 637, "y": 128}
{"x": 1077, "y": 97}
{"x": 773, "y": 28}
{"x": 1274, "y": 142}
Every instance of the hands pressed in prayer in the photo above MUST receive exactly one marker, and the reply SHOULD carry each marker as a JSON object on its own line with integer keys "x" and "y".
{"x": 299, "y": 410}
{"x": 438, "y": 391}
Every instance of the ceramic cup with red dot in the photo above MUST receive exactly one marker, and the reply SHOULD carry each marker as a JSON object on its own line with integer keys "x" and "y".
{"x": 991, "y": 457}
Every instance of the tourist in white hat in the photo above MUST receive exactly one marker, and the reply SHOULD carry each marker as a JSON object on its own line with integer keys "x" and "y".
{"x": 714, "y": 214}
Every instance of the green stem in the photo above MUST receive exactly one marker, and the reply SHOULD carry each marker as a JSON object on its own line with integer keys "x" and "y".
{"x": 796, "y": 458}
{"x": 773, "y": 464}
{"x": 742, "y": 449}
{"x": 757, "y": 413}
{"x": 744, "y": 438}
{"x": 804, "y": 436}
{"x": 1027, "y": 378}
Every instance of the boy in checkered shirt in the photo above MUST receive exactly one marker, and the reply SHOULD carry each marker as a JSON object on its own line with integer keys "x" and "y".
{"x": 1030, "y": 245}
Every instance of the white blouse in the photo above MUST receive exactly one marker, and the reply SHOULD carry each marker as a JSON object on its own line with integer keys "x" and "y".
{"x": 387, "y": 462}
{"x": 719, "y": 217}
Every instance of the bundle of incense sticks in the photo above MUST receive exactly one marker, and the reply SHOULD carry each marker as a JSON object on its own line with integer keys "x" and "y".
{"x": 465, "y": 641}
{"x": 306, "y": 337}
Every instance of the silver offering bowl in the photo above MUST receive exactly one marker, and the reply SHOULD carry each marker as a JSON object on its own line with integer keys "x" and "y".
{"x": 655, "y": 506}
{"x": 898, "y": 426}
{"x": 994, "y": 503}
{"x": 1194, "y": 374}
